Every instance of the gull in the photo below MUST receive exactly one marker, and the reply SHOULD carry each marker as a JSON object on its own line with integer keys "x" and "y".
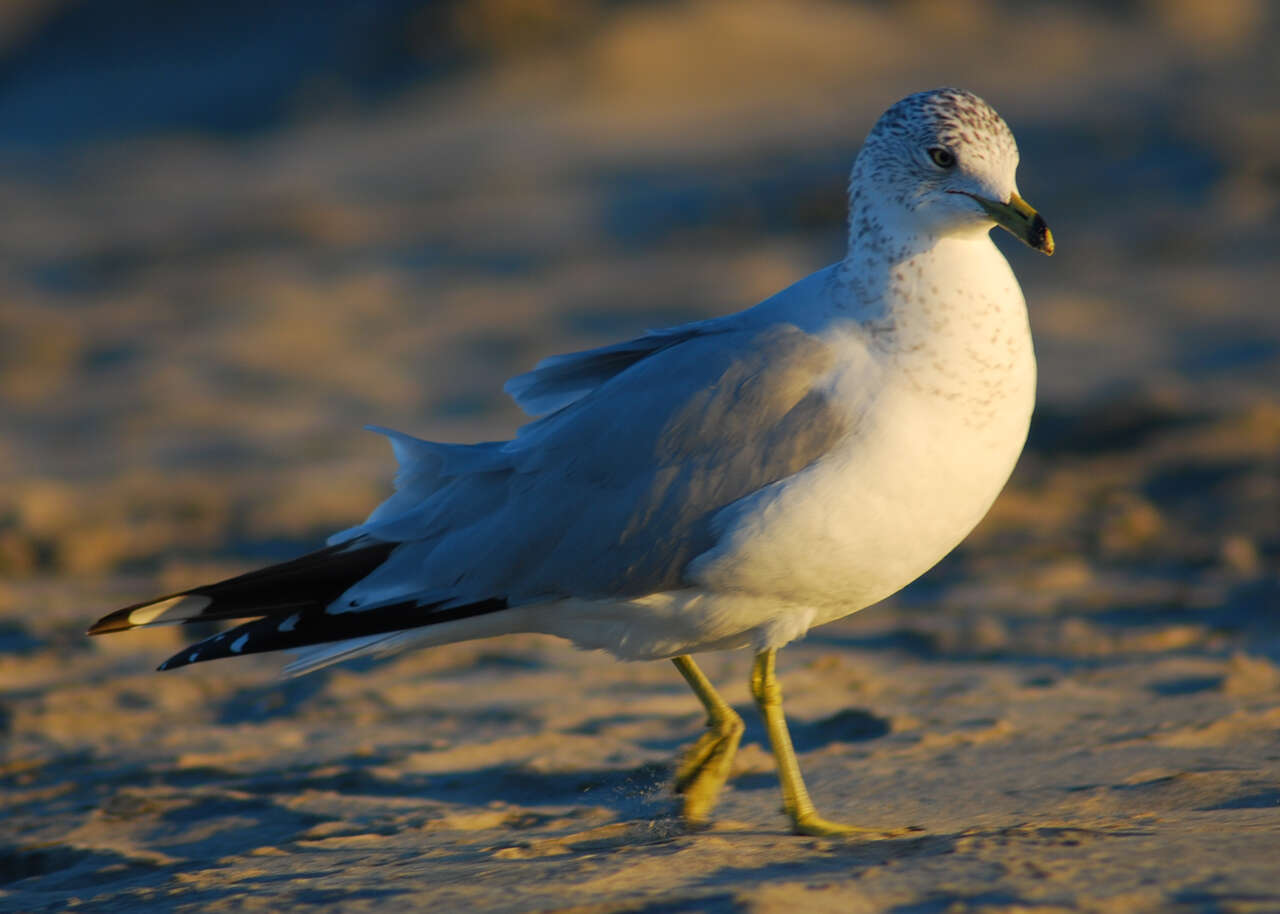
{"x": 723, "y": 484}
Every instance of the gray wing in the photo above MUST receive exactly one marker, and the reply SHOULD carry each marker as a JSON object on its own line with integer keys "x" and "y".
{"x": 614, "y": 493}
{"x": 560, "y": 380}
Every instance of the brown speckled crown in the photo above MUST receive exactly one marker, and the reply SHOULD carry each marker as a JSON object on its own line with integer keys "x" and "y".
{"x": 954, "y": 119}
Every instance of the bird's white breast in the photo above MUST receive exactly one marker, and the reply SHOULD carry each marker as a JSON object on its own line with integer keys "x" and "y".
{"x": 940, "y": 391}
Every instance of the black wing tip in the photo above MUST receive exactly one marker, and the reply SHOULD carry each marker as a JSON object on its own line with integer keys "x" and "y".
{"x": 316, "y": 626}
{"x": 194, "y": 653}
{"x": 314, "y": 579}
{"x": 122, "y": 620}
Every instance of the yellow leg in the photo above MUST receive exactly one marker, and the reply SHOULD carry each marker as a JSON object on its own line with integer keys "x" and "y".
{"x": 705, "y": 765}
{"x": 795, "y": 798}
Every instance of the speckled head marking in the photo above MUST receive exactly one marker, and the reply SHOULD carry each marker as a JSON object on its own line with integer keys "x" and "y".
{"x": 926, "y": 155}
{"x": 951, "y": 118}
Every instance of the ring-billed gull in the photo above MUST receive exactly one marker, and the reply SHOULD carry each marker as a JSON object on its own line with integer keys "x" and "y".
{"x": 723, "y": 484}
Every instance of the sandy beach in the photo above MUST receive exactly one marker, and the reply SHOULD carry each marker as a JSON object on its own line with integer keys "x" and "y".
{"x": 1078, "y": 710}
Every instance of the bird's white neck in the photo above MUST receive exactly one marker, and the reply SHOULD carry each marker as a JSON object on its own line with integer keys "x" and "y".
{"x": 947, "y": 310}
{"x": 898, "y": 276}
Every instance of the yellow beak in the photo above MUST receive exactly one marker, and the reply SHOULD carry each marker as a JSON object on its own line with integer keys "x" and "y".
{"x": 1018, "y": 218}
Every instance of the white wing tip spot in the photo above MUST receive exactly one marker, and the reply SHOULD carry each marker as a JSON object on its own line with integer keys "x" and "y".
{"x": 155, "y": 612}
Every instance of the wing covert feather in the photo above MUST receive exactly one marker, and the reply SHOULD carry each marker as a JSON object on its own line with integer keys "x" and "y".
{"x": 614, "y": 494}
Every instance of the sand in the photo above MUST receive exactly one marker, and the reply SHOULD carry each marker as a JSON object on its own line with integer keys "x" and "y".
{"x": 1078, "y": 710}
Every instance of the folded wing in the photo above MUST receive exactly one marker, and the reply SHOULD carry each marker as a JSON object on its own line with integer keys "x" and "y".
{"x": 610, "y": 495}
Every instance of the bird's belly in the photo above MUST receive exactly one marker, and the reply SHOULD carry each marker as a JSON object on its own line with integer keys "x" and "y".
{"x": 864, "y": 521}
{"x": 871, "y": 517}
{"x": 844, "y": 534}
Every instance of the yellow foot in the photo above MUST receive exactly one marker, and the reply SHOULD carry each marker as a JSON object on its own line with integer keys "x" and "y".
{"x": 821, "y": 828}
{"x": 705, "y": 767}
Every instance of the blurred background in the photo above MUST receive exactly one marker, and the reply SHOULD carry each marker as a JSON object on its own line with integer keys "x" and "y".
{"x": 235, "y": 233}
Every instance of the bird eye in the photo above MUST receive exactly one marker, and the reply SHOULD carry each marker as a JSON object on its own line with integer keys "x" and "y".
{"x": 943, "y": 158}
